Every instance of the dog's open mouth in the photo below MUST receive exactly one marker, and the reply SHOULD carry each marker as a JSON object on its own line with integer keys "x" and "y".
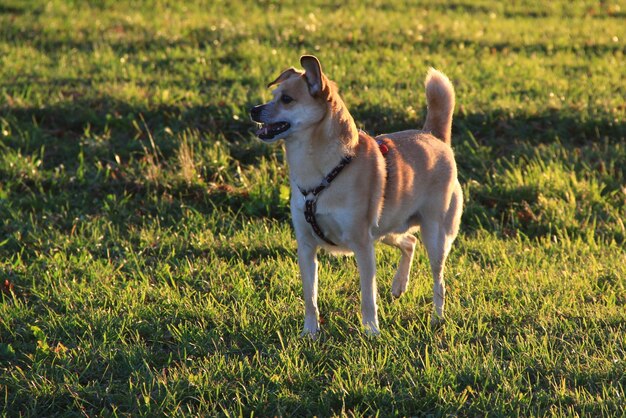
{"x": 270, "y": 130}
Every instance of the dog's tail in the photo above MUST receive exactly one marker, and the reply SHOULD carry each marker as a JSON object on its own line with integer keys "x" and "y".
{"x": 440, "y": 99}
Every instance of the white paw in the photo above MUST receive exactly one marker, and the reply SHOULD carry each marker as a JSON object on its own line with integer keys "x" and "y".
{"x": 310, "y": 334}
{"x": 437, "y": 320}
{"x": 311, "y": 328}
{"x": 399, "y": 286}
{"x": 371, "y": 328}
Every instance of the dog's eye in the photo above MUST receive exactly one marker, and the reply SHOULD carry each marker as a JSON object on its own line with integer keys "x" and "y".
{"x": 286, "y": 99}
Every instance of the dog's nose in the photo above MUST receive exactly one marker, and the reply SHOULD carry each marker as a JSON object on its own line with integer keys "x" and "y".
{"x": 255, "y": 113}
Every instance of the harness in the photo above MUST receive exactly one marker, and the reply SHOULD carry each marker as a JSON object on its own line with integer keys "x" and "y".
{"x": 311, "y": 195}
{"x": 310, "y": 198}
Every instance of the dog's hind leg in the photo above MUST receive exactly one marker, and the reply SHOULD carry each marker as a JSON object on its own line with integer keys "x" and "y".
{"x": 406, "y": 244}
{"x": 434, "y": 238}
{"x": 438, "y": 237}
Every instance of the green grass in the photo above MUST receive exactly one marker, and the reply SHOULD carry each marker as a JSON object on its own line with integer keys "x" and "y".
{"x": 147, "y": 261}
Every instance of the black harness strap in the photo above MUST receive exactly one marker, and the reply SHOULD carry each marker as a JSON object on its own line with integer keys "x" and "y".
{"x": 311, "y": 204}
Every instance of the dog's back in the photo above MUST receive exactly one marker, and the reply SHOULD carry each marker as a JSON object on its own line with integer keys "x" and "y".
{"x": 421, "y": 171}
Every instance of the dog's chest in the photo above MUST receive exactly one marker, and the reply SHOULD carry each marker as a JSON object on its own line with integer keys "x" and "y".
{"x": 319, "y": 218}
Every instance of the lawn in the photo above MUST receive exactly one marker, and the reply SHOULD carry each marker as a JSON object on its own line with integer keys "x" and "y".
{"x": 147, "y": 260}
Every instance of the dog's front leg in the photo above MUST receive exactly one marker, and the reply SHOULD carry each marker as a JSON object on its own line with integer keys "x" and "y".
{"x": 307, "y": 260}
{"x": 366, "y": 263}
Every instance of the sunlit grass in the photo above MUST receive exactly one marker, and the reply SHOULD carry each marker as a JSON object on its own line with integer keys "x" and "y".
{"x": 147, "y": 263}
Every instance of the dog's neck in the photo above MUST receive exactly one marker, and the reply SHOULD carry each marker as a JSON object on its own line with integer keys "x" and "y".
{"x": 316, "y": 151}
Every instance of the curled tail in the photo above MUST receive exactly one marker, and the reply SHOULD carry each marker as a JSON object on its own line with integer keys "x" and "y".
{"x": 440, "y": 99}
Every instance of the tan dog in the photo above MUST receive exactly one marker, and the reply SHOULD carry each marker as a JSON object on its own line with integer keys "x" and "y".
{"x": 349, "y": 190}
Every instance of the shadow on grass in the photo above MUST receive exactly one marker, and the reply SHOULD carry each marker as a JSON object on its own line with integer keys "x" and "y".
{"x": 482, "y": 142}
{"x": 499, "y": 130}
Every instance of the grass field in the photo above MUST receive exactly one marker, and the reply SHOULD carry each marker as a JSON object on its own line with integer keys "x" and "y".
{"x": 147, "y": 262}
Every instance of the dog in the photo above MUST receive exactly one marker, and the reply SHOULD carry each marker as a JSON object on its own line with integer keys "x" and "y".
{"x": 349, "y": 190}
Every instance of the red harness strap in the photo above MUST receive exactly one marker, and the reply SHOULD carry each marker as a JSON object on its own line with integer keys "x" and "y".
{"x": 384, "y": 149}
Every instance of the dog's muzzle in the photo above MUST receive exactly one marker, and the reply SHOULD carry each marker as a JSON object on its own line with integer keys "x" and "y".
{"x": 267, "y": 131}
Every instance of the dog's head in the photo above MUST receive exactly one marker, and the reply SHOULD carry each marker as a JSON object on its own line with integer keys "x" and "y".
{"x": 300, "y": 102}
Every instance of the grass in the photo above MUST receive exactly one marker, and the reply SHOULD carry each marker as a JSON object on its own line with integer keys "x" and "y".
{"x": 147, "y": 262}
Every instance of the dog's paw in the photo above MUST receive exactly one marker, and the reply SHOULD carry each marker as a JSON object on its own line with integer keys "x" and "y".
{"x": 372, "y": 332}
{"x": 437, "y": 321}
{"x": 311, "y": 328}
{"x": 398, "y": 287}
{"x": 312, "y": 334}
{"x": 371, "y": 329}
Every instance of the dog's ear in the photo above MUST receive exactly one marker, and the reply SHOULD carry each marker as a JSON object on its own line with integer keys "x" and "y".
{"x": 284, "y": 76}
{"x": 313, "y": 73}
